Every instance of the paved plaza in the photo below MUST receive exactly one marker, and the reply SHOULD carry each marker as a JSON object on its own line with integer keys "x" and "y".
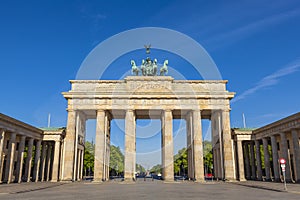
{"x": 150, "y": 190}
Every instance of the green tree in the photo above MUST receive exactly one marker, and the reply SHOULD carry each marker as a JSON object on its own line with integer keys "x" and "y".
{"x": 207, "y": 156}
{"x": 88, "y": 161}
{"x": 180, "y": 162}
{"x": 140, "y": 169}
{"x": 157, "y": 169}
{"x": 181, "y": 159}
{"x": 116, "y": 163}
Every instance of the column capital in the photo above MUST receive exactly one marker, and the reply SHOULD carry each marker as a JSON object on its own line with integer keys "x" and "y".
{"x": 226, "y": 110}
{"x": 130, "y": 111}
{"x": 265, "y": 138}
{"x": 196, "y": 109}
{"x": 23, "y": 137}
{"x": 39, "y": 141}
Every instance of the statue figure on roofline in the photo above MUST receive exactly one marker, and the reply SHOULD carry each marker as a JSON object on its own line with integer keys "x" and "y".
{"x": 149, "y": 67}
{"x": 134, "y": 69}
{"x": 164, "y": 69}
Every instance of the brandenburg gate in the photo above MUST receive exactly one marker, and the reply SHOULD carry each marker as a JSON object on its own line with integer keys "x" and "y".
{"x": 151, "y": 95}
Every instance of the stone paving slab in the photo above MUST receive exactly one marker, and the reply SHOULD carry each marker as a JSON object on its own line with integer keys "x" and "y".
{"x": 291, "y": 188}
{"x": 15, "y": 188}
{"x": 148, "y": 190}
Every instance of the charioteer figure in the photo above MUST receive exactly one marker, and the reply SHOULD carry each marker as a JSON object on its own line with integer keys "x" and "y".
{"x": 149, "y": 67}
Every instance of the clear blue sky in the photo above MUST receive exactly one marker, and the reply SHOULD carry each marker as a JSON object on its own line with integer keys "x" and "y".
{"x": 255, "y": 45}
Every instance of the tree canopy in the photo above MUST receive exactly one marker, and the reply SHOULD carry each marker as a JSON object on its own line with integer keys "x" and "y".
{"x": 157, "y": 169}
{"x": 116, "y": 162}
{"x": 88, "y": 161}
{"x": 181, "y": 162}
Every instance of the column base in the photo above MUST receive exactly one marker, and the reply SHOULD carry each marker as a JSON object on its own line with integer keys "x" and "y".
{"x": 97, "y": 180}
{"x": 231, "y": 180}
{"x": 199, "y": 181}
{"x": 129, "y": 180}
{"x": 167, "y": 182}
{"x": 169, "y": 179}
{"x": 63, "y": 180}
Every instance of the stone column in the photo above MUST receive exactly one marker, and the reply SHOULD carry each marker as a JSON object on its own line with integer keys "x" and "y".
{"x": 107, "y": 163}
{"x": 106, "y": 149}
{"x": 275, "y": 158}
{"x": 229, "y": 166}
{"x": 55, "y": 164}
{"x": 247, "y": 161}
{"x": 215, "y": 172}
{"x": 285, "y": 155}
{"x": 107, "y": 166}
{"x": 9, "y": 168}
{"x": 19, "y": 166}
{"x": 167, "y": 146}
{"x": 220, "y": 165}
{"x": 258, "y": 160}
{"x": 2, "y": 135}
{"x": 189, "y": 145}
{"x": 69, "y": 147}
{"x": 253, "y": 168}
{"x": 81, "y": 165}
{"x": 240, "y": 160}
{"x": 62, "y": 158}
{"x": 48, "y": 162}
{"x": 99, "y": 146}
{"x": 43, "y": 162}
{"x": 129, "y": 165}
{"x": 78, "y": 165}
{"x": 36, "y": 165}
{"x": 266, "y": 159}
{"x": 28, "y": 161}
{"x": 108, "y": 144}
{"x": 295, "y": 138}
{"x": 197, "y": 146}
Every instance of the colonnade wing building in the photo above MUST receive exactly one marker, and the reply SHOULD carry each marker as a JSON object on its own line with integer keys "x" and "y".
{"x": 149, "y": 97}
{"x": 28, "y": 153}
{"x": 258, "y": 150}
